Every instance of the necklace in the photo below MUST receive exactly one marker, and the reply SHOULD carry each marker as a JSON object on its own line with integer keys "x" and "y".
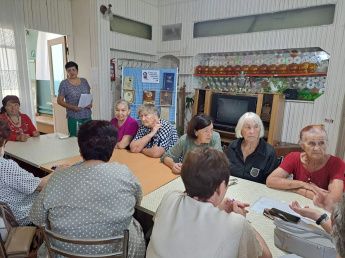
{"x": 18, "y": 117}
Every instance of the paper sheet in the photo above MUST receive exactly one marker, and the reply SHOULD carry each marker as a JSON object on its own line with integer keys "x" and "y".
{"x": 265, "y": 202}
{"x": 85, "y": 100}
{"x": 165, "y": 113}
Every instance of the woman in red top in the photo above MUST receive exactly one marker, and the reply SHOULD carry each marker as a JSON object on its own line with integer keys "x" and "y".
{"x": 312, "y": 169}
{"x": 20, "y": 124}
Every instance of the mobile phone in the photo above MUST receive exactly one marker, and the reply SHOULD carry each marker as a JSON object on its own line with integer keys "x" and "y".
{"x": 288, "y": 216}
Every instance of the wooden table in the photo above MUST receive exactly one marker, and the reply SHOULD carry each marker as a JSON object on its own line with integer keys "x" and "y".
{"x": 44, "y": 149}
{"x": 151, "y": 173}
{"x": 244, "y": 191}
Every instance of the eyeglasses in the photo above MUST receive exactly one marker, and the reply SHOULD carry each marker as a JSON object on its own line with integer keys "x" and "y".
{"x": 271, "y": 214}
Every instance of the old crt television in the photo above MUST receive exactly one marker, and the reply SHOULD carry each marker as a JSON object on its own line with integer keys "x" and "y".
{"x": 226, "y": 110}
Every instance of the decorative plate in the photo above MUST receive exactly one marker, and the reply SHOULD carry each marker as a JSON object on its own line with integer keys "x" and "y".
{"x": 310, "y": 85}
{"x": 319, "y": 85}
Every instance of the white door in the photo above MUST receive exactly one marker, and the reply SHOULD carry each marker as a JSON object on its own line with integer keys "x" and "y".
{"x": 57, "y": 53}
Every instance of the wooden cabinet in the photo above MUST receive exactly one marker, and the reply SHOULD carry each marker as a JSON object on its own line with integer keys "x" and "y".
{"x": 270, "y": 106}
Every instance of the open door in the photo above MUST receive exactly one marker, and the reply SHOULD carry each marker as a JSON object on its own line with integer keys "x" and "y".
{"x": 57, "y": 52}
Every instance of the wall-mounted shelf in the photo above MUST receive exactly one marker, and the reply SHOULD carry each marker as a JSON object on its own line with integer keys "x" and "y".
{"x": 264, "y": 75}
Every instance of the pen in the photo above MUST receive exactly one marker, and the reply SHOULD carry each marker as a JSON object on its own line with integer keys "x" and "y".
{"x": 55, "y": 167}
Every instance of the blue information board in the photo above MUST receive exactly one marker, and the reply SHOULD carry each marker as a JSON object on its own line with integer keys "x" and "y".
{"x": 161, "y": 81}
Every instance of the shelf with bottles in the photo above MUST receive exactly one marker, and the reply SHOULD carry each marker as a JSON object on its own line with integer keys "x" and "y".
{"x": 265, "y": 75}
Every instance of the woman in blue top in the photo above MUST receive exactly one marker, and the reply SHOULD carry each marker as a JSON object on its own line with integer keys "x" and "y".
{"x": 70, "y": 91}
{"x": 199, "y": 135}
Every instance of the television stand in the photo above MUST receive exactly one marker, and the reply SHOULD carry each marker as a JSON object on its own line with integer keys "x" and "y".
{"x": 226, "y": 136}
{"x": 272, "y": 113}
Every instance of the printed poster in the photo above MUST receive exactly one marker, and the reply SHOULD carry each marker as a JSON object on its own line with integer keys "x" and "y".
{"x": 150, "y": 76}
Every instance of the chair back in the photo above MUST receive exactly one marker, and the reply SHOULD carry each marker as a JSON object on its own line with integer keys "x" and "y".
{"x": 7, "y": 222}
{"x": 86, "y": 241}
{"x": 280, "y": 160}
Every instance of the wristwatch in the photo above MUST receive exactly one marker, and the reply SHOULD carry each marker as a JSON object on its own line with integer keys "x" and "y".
{"x": 324, "y": 217}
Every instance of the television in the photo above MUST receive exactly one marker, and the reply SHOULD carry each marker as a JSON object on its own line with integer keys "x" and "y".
{"x": 226, "y": 110}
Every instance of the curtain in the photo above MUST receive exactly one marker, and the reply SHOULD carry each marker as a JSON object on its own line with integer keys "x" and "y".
{"x": 14, "y": 72}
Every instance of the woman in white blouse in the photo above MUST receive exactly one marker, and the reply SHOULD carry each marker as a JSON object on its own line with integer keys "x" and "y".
{"x": 18, "y": 187}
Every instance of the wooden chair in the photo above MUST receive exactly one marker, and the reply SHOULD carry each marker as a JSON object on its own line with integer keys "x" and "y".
{"x": 84, "y": 241}
{"x": 9, "y": 247}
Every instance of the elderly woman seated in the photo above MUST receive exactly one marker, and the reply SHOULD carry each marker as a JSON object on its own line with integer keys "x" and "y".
{"x": 201, "y": 222}
{"x": 200, "y": 134}
{"x": 95, "y": 199}
{"x": 251, "y": 157}
{"x": 155, "y": 136}
{"x": 312, "y": 169}
{"x": 126, "y": 125}
{"x": 334, "y": 225}
{"x": 18, "y": 187}
{"x": 20, "y": 124}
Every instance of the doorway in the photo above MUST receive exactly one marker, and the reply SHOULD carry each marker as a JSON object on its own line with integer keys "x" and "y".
{"x": 45, "y": 76}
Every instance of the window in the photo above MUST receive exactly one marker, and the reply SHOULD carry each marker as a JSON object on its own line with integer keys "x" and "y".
{"x": 130, "y": 27}
{"x": 297, "y": 18}
{"x": 171, "y": 32}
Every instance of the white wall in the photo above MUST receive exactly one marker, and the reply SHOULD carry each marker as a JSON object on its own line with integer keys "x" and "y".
{"x": 328, "y": 37}
{"x": 48, "y": 15}
{"x": 145, "y": 11}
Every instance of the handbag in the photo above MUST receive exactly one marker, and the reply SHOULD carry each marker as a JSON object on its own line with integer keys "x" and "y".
{"x": 303, "y": 241}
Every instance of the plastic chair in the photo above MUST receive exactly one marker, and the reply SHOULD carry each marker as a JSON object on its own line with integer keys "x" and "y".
{"x": 85, "y": 241}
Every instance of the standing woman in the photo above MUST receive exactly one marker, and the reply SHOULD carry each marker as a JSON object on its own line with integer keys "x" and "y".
{"x": 70, "y": 91}
{"x": 199, "y": 134}
{"x": 126, "y": 125}
{"x": 250, "y": 156}
{"x": 20, "y": 124}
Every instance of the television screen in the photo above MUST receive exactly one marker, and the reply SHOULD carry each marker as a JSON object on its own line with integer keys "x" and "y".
{"x": 230, "y": 110}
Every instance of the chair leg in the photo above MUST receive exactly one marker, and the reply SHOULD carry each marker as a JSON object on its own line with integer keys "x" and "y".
{"x": 2, "y": 248}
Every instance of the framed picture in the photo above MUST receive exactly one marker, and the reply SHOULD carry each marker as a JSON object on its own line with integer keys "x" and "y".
{"x": 129, "y": 95}
{"x": 168, "y": 81}
{"x": 149, "y": 97}
{"x": 165, "y": 98}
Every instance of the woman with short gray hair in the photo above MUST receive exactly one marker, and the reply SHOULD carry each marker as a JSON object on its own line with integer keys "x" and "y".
{"x": 155, "y": 135}
{"x": 251, "y": 157}
{"x": 312, "y": 169}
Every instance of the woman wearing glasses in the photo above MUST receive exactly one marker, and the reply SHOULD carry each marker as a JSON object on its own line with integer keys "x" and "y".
{"x": 250, "y": 156}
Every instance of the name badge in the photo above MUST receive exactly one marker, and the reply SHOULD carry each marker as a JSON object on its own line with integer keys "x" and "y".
{"x": 254, "y": 172}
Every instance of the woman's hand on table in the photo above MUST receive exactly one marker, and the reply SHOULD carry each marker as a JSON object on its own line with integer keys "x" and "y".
{"x": 306, "y": 211}
{"x": 314, "y": 188}
{"x": 63, "y": 166}
{"x": 324, "y": 200}
{"x": 23, "y": 137}
{"x": 35, "y": 133}
{"x": 233, "y": 206}
{"x": 176, "y": 169}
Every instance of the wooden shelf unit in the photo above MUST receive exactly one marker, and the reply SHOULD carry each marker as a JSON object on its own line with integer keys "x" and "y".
{"x": 203, "y": 104}
{"x": 265, "y": 74}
